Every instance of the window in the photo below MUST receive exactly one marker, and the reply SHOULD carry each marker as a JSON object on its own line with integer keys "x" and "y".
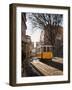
{"x": 47, "y": 48}
{"x": 44, "y": 49}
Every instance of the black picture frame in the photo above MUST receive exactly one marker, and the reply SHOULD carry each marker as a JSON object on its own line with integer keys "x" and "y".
{"x": 13, "y": 28}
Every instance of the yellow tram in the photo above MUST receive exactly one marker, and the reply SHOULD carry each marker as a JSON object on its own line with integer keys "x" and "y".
{"x": 44, "y": 52}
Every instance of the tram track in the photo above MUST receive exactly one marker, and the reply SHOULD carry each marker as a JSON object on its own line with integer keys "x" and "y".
{"x": 45, "y": 69}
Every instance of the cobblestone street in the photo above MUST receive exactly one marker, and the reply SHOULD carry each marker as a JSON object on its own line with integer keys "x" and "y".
{"x": 38, "y": 68}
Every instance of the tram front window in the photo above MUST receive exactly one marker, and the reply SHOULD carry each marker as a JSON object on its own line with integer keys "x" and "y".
{"x": 50, "y": 49}
{"x": 47, "y": 48}
{"x": 44, "y": 49}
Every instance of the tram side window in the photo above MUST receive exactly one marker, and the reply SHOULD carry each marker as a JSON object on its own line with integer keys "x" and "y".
{"x": 41, "y": 49}
{"x": 44, "y": 49}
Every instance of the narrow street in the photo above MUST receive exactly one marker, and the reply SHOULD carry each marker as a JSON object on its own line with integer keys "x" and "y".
{"x": 45, "y": 69}
{"x": 38, "y": 68}
{"x": 29, "y": 70}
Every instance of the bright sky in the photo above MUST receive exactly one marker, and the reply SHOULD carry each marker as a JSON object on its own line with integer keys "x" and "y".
{"x": 35, "y": 35}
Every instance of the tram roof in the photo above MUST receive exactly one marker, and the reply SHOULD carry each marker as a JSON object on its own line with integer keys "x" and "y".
{"x": 45, "y": 46}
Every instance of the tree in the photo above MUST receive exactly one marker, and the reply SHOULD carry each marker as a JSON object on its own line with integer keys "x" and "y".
{"x": 47, "y": 22}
